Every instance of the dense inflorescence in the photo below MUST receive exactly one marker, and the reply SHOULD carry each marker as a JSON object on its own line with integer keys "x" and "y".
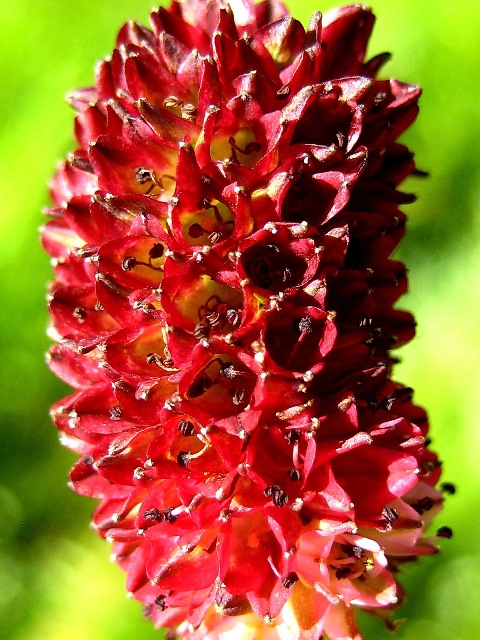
{"x": 223, "y": 305}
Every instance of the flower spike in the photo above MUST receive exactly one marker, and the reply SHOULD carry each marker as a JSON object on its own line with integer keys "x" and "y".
{"x": 224, "y": 308}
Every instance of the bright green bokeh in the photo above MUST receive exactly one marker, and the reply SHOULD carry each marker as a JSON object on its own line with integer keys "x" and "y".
{"x": 55, "y": 578}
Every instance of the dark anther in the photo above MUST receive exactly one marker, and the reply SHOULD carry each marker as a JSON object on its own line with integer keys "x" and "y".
{"x": 425, "y": 504}
{"x": 148, "y": 307}
{"x": 199, "y": 386}
{"x": 183, "y": 458}
{"x": 290, "y": 580}
{"x": 233, "y": 317}
{"x": 143, "y": 175}
{"x": 448, "y": 487}
{"x": 445, "y": 532}
{"x": 293, "y": 436}
{"x": 379, "y": 100}
{"x": 342, "y": 572}
{"x": 238, "y": 397}
{"x": 215, "y": 237}
{"x": 128, "y": 263}
{"x": 123, "y": 386}
{"x": 390, "y": 515}
{"x": 430, "y": 465}
{"x": 79, "y": 313}
{"x": 153, "y": 358}
{"x": 189, "y": 112}
{"x": 228, "y": 371}
{"x": 366, "y": 321}
{"x": 271, "y": 489}
{"x": 304, "y": 325}
{"x": 186, "y": 428}
{"x": 352, "y": 551}
{"x": 171, "y": 102}
{"x": 88, "y": 460}
{"x": 388, "y": 401}
{"x": 147, "y": 611}
{"x": 340, "y": 139}
{"x": 279, "y": 498}
{"x": 273, "y": 248}
{"x": 294, "y": 474}
{"x": 283, "y": 93}
{"x": 156, "y": 251}
{"x": 201, "y": 331}
{"x": 213, "y": 312}
{"x": 168, "y": 516}
{"x": 115, "y": 413}
{"x": 204, "y": 203}
{"x": 401, "y": 395}
{"x": 153, "y": 514}
{"x": 428, "y": 441}
{"x": 160, "y": 602}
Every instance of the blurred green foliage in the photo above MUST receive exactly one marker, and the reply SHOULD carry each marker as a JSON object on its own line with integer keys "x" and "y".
{"x": 55, "y": 581}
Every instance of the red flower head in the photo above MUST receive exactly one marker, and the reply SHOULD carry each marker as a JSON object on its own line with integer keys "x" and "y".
{"x": 224, "y": 307}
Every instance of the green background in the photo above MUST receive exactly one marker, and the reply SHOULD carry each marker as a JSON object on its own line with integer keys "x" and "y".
{"x": 55, "y": 578}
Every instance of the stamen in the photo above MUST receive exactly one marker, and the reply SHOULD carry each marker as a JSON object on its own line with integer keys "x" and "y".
{"x": 283, "y": 93}
{"x": 425, "y": 504}
{"x": 171, "y": 102}
{"x": 293, "y": 436}
{"x": 228, "y": 371}
{"x": 79, "y": 313}
{"x": 185, "y": 457}
{"x": 146, "y": 176}
{"x": 160, "y": 602}
{"x": 238, "y": 397}
{"x": 294, "y": 474}
{"x": 279, "y": 498}
{"x": 390, "y": 514}
{"x": 115, "y": 413}
{"x": 233, "y": 317}
{"x": 169, "y": 516}
{"x": 186, "y": 428}
{"x": 154, "y": 514}
{"x": 448, "y": 487}
{"x": 290, "y": 580}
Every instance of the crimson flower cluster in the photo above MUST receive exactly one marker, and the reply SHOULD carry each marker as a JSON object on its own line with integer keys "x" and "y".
{"x": 223, "y": 306}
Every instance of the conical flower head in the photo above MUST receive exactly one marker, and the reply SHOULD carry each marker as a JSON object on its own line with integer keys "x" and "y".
{"x": 223, "y": 306}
